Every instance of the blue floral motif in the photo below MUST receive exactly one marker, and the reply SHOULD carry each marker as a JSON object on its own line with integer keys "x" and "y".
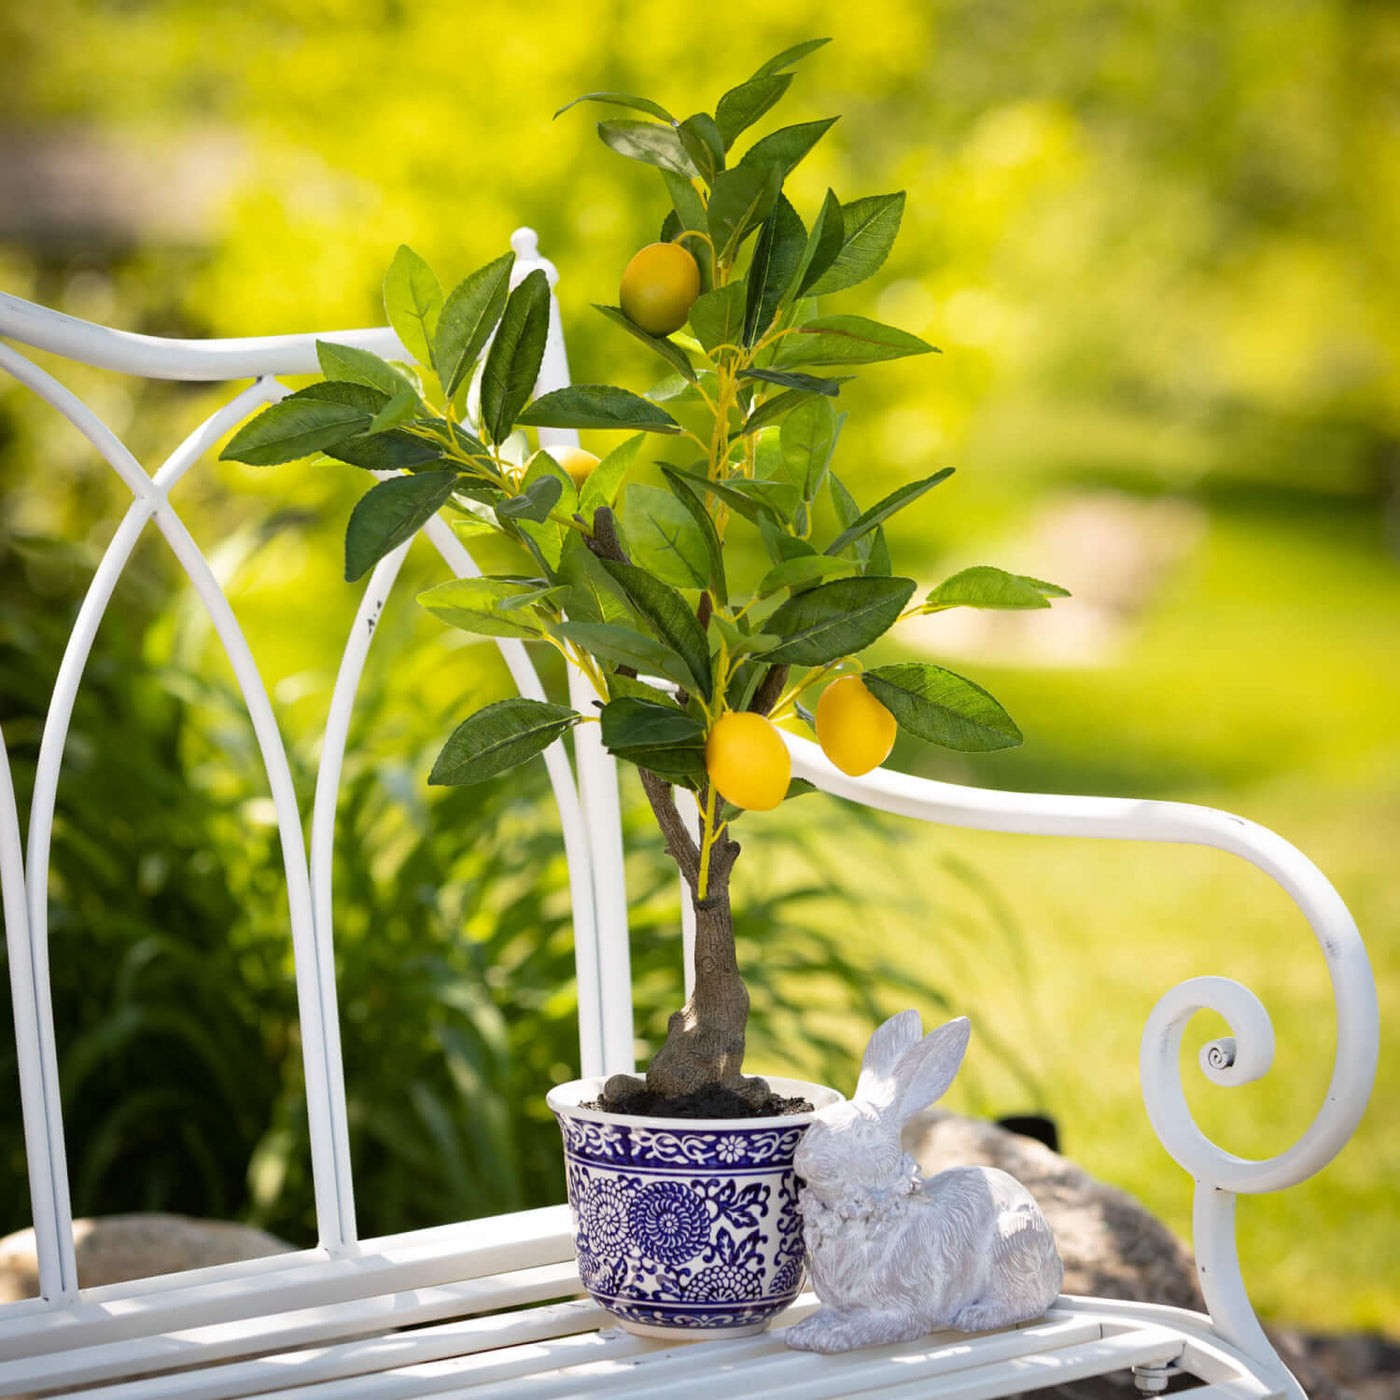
{"x": 669, "y": 1222}
{"x": 789, "y": 1277}
{"x": 603, "y": 1212}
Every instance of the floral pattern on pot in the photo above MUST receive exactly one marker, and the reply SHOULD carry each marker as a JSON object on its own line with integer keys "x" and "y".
{"x": 690, "y": 1229}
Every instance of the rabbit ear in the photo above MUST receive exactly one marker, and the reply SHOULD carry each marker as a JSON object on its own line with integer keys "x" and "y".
{"x": 924, "y": 1073}
{"x": 887, "y": 1047}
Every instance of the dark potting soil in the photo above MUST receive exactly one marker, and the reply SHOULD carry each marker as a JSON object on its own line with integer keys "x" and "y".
{"x": 714, "y": 1102}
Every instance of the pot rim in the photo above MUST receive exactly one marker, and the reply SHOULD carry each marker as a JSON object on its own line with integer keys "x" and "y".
{"x": 568, "y": 1098}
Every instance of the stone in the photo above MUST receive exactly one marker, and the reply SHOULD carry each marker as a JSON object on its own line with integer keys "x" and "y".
{"x": 115, "y": 1248}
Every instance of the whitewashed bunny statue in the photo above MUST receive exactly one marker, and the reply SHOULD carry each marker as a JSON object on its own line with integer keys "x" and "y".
{"x": 893, "y": 1256}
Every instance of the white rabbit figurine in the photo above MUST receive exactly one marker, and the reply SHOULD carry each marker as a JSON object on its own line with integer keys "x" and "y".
{"x": 894, "y": 1257}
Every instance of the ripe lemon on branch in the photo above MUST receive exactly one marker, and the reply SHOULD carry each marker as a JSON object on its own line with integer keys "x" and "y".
{"x": 855, "y": 729}
{"x": 659, "y": 286}
{"x": 747, "y": 761}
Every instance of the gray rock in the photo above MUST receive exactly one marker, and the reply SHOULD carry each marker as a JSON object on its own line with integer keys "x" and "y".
{"x": 115, "y": 1248}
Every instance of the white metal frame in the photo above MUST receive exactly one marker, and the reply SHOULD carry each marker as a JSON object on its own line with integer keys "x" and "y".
{"x": 321, "y": 1321}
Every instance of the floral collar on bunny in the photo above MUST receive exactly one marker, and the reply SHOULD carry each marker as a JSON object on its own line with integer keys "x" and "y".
{"x": 864, "y": 1206}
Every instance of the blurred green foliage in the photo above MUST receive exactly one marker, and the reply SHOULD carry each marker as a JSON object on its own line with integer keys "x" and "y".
{"x": 1160, "y": 247}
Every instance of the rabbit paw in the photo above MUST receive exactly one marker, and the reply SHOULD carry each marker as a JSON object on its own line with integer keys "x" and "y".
{"x": 830, "y": 1331}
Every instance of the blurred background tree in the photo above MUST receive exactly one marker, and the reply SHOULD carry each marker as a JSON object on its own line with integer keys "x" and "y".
{"x": 1160, "y": 247}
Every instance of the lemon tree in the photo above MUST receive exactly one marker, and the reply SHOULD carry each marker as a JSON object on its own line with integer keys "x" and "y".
{"x": 627, "y": 577}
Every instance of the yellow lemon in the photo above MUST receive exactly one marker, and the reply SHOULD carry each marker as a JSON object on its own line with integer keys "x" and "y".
{"x": 659, "y": 287}
{"x": 575, "y": 461}
{"x": 855, "y": 730}
{"x": 747, "y": 761}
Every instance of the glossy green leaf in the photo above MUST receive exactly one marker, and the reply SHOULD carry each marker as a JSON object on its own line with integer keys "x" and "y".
{"x": 983, "y": 586}
{"x": 942, "y": 707}
{"x": 663, "y": 538}
{"x": 398, "y": 410}
{"x": 774, "y": 410}
{"x": 672, "y": 619}
{"x": 631, "y": 723}
{"x": 597, "y": 406}
{"x": 491, "y": 607}
{"x": 787, "y": 147}
{"x": 803, "y": 571}
{"x": 823, "y": 244}
{"x": 703, "y": 144}
{"x": 742, "y": 106}
{"x": 846, "y": 340}
{"x": 468, "y": 318}
{"x": 513, "y": 362}
{"x": 349, "y": 364}
{"x": 660, "y": 345}
{"x": 776, "y": 255}
{"x": 498, "y": 738}
{"x": 725, "y": 491}
{"x": 693, "y": 502}
{"x": 742, "y": 198}
{"x": 621, "y": 99}
{"x": 869, "y": 227}
{"x": 808, "y": 439}
{"x": 533, "y": 503}
{"x": 794, "y": 379}
{"x": 883, "y": 509}
{"x": 625, "y": 646}
{"x": 652, "y": 145}
{"x": 602, "y": 484}
{"x": 685, "y": 200}
{"x": 296, "y": 428}
{"x": 390, "y": 513}
{"x": 789, "y": 56}
{"x": 413, "y": 303}
{"x": 836, "y": 619}
{"x": 677, "y": 763}
{"x": 594, "y": 595}
{"x": 717, "y": 317}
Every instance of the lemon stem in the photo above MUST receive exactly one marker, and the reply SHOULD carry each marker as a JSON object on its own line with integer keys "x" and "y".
{"x": 707, "y": 843}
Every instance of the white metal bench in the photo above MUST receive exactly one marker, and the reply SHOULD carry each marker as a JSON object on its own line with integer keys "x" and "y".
{"x": 494, "y": 1307}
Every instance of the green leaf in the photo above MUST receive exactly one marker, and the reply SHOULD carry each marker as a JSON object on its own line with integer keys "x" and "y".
{"x": 789, "y": 56}
{"x": 808, "y": 437}
{"x": 392, "y": 451}
{"x": 686, "y": 201}
{"x": 802, "y": 571}
{"x": 294, "y": 428}
{"x": 882, "y": 510}
{"x": 349, "y": 364}
{"x": 597, "y": 406}
{"x": 703, "y": 144}
{"x": 692, "y": 501}
{"x": 663, "y": 538}
{"x": 942, "y": 707}
{"x": 413, "y": 303}
{"x": 652, "y": 145}
{"x": 602, "y": 484}
{"x": 467, "y": 320}
{"x": 869, "y": 227}
{"x": 782, "y": 546}
{"x": 513, "y": 362}
{"x": 836, "y": 619}
{"x": 823, "y": 244}
{"x": 742, "y": 198}
{"x": 621, "y": 99}
{"x": 534, "y": 502}
{"x": 390, "y": 513}
{"x": 625, "y": 646}
{"x": 742, "y": 106}
{"x": 787, "y": 147}
{"x": 498, "y": 738}
{"x": 793, "y": 379}
{"x": 799, "y": 787}
{"x": 846, "y": 340}
{"x": 983, "y": 586}
{"x": 717, "y": 317}
{"x": 668, "y": 350}
{"x": 678, "y": 763}
{"x": 491, "y": 607}
{"x": 774, "y": 410}
{"x": 398, "y": 410}
{"x": 630, "y": 723}
{"x": 670, "y": 615}
{"x": 726, "y": 492}
{"x": 594, "y": 596}
{"x": 878, "y": 560}
{"x": 776, "y": 254}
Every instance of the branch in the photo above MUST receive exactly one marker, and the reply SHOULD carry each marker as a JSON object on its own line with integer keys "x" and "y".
{"x": 679, "y": 842}
{"x": 605, "y": 543}
{"x": 769, "y": 688}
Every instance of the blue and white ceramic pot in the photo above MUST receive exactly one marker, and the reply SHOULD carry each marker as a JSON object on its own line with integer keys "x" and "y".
{"x": 686, "y": 1225}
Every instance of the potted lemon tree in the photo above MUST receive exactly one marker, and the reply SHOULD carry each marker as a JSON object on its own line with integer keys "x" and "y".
{"x": 681, "y": 1181}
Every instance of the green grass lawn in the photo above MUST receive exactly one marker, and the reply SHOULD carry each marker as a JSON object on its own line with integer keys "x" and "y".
{"x": 1264, "y": 679}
